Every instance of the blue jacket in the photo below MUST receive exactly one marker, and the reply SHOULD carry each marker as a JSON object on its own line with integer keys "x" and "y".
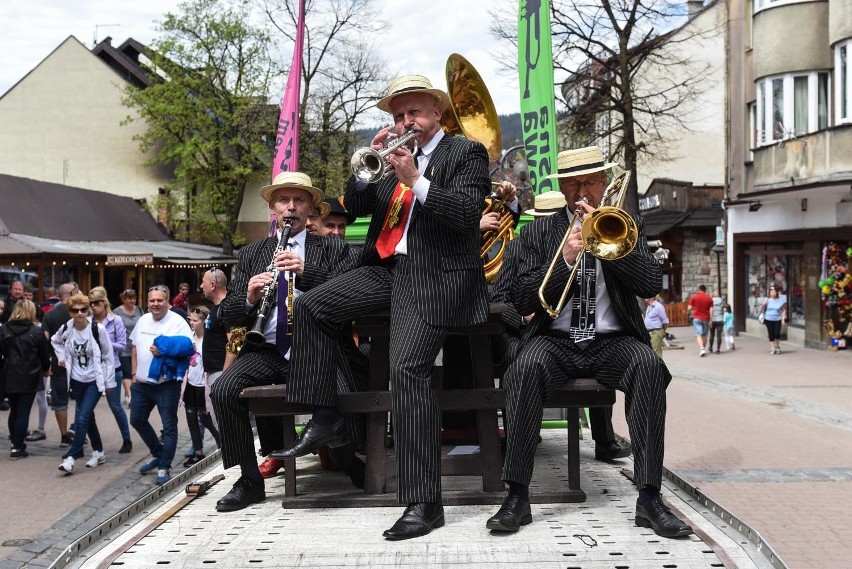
{"x": 173, "y": 360}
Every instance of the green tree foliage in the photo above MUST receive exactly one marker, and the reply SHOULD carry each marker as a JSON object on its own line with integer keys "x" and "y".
{"x": 208, "y": 113}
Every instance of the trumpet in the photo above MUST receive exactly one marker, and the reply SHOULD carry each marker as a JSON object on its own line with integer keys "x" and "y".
{"x": 370, "y": 165}
{"x": 254, "y": 338}
{"x": 609, "y": 233}
{"x": 495, "y": 241}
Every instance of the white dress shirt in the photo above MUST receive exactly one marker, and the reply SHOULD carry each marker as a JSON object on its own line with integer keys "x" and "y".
{"x": 420, "y": 188}
{"x": 296, "y": 244}
{"x": 605, "y": 318}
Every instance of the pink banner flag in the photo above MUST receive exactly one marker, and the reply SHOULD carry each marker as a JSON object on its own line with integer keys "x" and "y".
{"x": 285, "y": 156}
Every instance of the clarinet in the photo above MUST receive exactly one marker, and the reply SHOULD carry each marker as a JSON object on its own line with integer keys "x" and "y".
{"x": 255, "y": 338}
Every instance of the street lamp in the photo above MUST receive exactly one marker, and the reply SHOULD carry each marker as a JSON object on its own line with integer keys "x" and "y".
{"x": 718, "y": 248}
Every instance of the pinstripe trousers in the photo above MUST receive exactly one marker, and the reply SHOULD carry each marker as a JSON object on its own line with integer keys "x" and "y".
{"x": 263, "y": 367}
{"x": 619, "y": 362}
{"x": 319, "y": 316}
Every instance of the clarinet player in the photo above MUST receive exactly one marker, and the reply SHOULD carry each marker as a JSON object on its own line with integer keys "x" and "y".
{"x": 304, "y": 261}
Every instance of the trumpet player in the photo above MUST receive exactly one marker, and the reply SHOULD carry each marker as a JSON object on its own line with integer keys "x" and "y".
{"x": 599, "y": 333}
{"x": 304, "y": 262}
{"x": 420, "y": 260}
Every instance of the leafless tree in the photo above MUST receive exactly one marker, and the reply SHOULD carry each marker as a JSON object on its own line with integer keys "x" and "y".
{"x": 626, "y": 75}
{"x": 343, "y": 76}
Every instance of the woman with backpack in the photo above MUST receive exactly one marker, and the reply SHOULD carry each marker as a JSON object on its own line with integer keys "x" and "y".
{"x": 84, "y": 349}
{"x": 24, "y": 359}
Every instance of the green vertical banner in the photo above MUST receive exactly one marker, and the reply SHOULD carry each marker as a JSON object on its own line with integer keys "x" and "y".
{"x": 538, "y": 110}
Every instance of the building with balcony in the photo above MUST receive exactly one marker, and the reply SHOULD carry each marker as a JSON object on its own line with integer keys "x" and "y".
{"x": 789, "y": 155}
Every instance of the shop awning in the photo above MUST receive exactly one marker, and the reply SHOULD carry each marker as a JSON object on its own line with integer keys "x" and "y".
{"x": 178, "y": 252}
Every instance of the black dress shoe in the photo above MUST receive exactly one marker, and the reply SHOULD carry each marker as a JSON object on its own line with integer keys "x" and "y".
{"x": 514, "y": 513}
{"x": 655, "y": 515}
{"x": 314, "y": 436}
{"x": 611, "y": 451}
{"x": 244, "y": 493}
{"x": 419, "y": 519}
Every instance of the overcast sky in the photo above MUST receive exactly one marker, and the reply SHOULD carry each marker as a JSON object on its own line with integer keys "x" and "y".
{"x": 30, "y": 30}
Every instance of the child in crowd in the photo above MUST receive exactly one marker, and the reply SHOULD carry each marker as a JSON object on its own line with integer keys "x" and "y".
{"x": 195, "y": 392}
{"x": 729, "y": 328}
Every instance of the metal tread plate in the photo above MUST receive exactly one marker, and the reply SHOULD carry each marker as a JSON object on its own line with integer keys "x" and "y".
{"x": 599, "y": 533}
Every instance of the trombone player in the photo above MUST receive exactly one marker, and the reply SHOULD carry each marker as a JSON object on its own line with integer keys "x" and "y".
{"x": 598, "y": 333}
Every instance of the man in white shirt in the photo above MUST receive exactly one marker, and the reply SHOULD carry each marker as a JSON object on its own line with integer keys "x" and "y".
{"x": 160, "y": 392}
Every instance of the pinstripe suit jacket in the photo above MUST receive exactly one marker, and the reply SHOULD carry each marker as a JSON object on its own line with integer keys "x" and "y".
{"x": 635, "y": 275}
{"x": 325, "y": 257}
{"x": 447, "y": 279}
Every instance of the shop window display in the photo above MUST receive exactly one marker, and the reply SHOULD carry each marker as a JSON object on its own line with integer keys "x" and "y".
{"x": 836, "y": 293}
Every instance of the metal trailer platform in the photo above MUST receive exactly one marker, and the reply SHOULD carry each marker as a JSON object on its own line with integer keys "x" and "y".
{"x": 599, "y": 533}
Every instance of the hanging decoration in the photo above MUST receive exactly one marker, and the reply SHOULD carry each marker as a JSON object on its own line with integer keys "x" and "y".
{"x": 835, "y": 286}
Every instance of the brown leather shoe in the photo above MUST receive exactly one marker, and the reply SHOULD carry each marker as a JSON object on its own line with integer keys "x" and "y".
{"x": 270, "y": 467}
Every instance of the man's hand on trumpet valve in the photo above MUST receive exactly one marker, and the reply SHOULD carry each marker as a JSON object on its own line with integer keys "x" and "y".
{"x": 381, "y": 138}
{"x": 403, "y": 164}
{"x": 489, "y": 222}
{"x": 290, "y": 261}
{"x": 506, "y": 191}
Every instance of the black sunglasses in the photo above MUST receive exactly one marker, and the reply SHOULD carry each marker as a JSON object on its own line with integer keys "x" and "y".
{"x": 78, "y": 310}
{"x": 196, "y": 311}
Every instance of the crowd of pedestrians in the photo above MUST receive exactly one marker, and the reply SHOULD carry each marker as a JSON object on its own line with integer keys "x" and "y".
{"x": 78, "y": 348}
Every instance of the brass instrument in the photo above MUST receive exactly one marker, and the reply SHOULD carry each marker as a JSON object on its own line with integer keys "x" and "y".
{"x": 471, "y": 112}
{"x": 495, "y": 241}
{"x": 254, "y": 338}
{"x": 609, "y": 233}
{"x": 237, "y": 340}
{"x": 370, "y": 165}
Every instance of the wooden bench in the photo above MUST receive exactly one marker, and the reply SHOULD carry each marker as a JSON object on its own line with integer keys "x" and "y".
{"x": 484, "y": 399}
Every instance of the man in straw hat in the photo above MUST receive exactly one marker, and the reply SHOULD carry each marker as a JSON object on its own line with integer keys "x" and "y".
{"x": 421, "y": 261}
{"x": 598, "y": 334}
{"x": 313, "y": 260}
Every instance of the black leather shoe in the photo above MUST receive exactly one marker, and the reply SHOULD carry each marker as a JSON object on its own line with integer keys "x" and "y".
{"x": 314, "y": 436}
{"x": 419, "y": 519}
{"x": 611, "y": 451}
{"x": 244, "y": 493}
{"x": 514, "y": 513}
{"x": 655, "y": 515}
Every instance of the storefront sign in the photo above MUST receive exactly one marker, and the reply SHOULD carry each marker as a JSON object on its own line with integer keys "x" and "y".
{"x": 143, "y": 259}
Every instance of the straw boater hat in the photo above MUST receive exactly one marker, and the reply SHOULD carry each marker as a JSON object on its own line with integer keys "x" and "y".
{"x": 580, "y": 161}
{"x": 547, "y": 203}
{"x": 408, "y": 84}
{"x": 293, "y": 180}
{"x": 335, "y": 206}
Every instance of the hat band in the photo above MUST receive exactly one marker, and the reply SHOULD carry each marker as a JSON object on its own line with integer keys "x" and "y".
{"x": 580, "y": 167}
{"x": 406, "y": 89}
{"x": 549, "y": 209}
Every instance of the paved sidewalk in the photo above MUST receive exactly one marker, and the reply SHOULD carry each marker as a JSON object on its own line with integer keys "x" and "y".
{"x": 44, "y": 509}
{"x": 767, "y": 437}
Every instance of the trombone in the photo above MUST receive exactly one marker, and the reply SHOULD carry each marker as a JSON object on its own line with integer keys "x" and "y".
{"x": 609, "y": 233}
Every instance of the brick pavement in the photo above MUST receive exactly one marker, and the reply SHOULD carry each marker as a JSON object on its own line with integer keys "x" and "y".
{"x": 767, "y": 438}
{"x": 50, "y": 509}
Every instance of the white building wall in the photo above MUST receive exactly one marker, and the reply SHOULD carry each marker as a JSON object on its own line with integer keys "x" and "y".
{"x": 62, "y": 124}
{"x": 697, "y": 155}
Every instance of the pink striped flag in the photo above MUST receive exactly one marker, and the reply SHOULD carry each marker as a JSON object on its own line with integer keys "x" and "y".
{"x": 285, "y": 156}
